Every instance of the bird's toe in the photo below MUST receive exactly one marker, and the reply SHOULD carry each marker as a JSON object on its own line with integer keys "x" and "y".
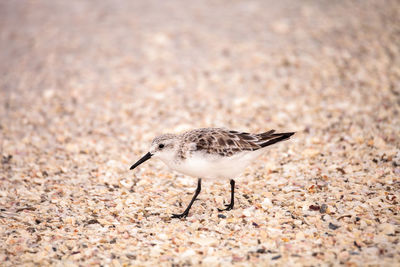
{"x": 179, "y": 216}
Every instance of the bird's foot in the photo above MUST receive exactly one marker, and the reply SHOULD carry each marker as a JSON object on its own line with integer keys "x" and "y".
{"x": 179, "y": 216}
{"x": 228, "y": 207}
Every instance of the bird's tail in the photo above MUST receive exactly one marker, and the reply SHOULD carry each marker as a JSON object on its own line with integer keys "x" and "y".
{"x": 270, "y": 138}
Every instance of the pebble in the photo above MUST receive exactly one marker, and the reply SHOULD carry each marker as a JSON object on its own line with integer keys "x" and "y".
{"x": 333, "y": 226}
{"x": 266, "y": 203}
{"x": 387, "y": 228}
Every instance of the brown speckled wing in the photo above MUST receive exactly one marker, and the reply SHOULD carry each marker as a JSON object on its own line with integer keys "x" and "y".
{"x": 225, "y": 142}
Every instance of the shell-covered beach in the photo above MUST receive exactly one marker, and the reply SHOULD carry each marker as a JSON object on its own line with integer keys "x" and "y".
{"x": 86, "y": 85}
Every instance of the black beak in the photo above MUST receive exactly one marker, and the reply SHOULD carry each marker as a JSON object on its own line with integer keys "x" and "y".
{"x": 140, "y": 161}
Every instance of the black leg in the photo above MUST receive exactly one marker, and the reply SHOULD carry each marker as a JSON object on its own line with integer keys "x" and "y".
{"x": 186, "y": 212}
{"x": 230, "y": 206}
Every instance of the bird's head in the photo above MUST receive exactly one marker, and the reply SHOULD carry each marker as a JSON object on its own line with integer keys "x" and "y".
{"x": 161, "y": 147}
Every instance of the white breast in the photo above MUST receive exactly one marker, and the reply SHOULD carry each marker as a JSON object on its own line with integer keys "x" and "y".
{"x": 208, "y": 166}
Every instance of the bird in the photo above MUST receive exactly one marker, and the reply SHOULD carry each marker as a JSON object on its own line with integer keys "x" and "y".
{"x": 211, "y": 153}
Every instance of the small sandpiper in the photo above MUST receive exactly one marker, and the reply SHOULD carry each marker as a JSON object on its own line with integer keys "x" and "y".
{"x": 211, "y": 153}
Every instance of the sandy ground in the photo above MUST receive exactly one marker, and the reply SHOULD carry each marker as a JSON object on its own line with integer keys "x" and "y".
{"x": 86, "y": 85}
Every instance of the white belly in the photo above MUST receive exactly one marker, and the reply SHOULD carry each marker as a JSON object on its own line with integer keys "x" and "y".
{"x": 214, "y": 167}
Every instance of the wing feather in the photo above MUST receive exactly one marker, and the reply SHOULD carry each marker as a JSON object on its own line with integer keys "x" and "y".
{"x": 227, "y": 143}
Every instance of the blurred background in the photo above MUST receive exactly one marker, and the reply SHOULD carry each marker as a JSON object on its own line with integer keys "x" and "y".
{"x": 86, "y": 85}
{"x": 120, "y": 69}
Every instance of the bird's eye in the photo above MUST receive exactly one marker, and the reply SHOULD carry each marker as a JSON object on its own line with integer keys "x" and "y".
{"x": 161, "y": 146}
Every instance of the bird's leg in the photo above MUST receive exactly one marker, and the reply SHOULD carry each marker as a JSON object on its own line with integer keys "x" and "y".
{"x": 186, "y": 212}
{"x": 230, "y": 205}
